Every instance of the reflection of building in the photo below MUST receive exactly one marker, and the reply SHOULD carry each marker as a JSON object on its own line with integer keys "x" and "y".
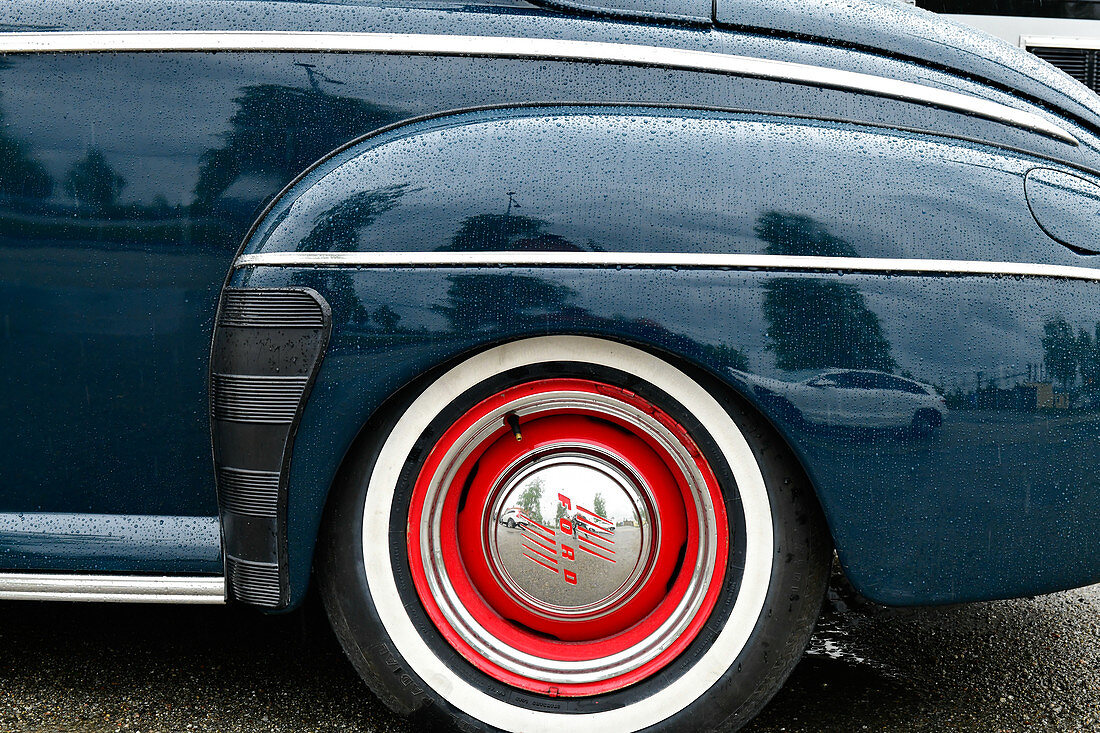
{"x": 1037, "y": 394}
{"x": 1041, "y": 395}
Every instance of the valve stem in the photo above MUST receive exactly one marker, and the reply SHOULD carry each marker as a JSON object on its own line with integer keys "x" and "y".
{"x": 513, "y": 423}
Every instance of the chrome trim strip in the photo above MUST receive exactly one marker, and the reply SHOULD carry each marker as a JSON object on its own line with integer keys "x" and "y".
{"x": 1028, "y": 42}
{"x": 793, "y": 263}
{"x": 528, "y": 48}
{"x": 114, "y": 588}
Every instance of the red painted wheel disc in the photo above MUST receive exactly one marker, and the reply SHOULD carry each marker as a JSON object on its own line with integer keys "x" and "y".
{"x": 521, "y": 571}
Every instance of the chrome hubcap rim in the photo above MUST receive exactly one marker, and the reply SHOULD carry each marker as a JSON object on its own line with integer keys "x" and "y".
{"x": 627, "y": 488}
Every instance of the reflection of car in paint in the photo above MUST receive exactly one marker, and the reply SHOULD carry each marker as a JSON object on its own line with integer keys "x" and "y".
{"x": 513, "y": 517}
{"x": 854, "y": 398}
{"x": 293, "y": 293}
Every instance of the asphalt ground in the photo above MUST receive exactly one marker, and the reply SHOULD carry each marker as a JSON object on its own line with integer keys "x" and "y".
{"x": 1025, "y": 665}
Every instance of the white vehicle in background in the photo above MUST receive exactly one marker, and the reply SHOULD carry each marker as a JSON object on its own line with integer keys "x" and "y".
{"x": 1065, "y": 33}
{"x": 513, "y": 517}
{"x": 855, "y": 399}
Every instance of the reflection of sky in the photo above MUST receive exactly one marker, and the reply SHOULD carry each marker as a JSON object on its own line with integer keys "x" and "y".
{"x": 580, "y": 485}
{"x": 645, "y": 183}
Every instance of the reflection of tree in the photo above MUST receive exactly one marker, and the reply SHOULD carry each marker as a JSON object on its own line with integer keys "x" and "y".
{"x": 1060, "y": 350}
{"x": 724, "y": 356}
{"x": 599, "y": 506}
{"x": 20, "y": 174}
{"x": 93, "y": 182}
{"x": 338, "y": 228}
{"x": 386, "y": 318}
{"x": 1088, "y": 355}
{"x": 339, "y": 287}
{"x": 279, "y": 130}
{"x": 530, "y": 501}
{"x": 814, "y": 324}
{"x": 506, "y": 233}
{"x": 485, "y": 301}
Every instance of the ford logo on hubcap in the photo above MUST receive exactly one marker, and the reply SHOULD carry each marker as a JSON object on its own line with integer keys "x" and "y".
{"x": 570, "y": 533}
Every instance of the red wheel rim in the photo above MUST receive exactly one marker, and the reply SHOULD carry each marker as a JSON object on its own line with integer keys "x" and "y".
{"x": 570, "y": 601}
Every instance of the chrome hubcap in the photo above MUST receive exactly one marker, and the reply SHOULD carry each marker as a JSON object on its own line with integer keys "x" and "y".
{"x": 577, "y": 508}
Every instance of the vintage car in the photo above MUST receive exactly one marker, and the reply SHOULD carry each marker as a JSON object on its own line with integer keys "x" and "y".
{"x": 309, "y": 294}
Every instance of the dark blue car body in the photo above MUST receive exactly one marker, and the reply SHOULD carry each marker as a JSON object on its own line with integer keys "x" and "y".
{"x": 756, "y": 227}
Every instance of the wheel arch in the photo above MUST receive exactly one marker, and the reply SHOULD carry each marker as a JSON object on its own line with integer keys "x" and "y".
{"x": 346, "y": 192}
{"x": 376, "y": 421}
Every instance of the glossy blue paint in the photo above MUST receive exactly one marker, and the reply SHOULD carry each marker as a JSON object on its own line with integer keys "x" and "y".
{"x": 1066, "y": 206}
{"x": 693, "y": 11}
{"x": 130, "y": 179}
{"x": 887, "y": 471}
{"x": 110, "y": 543}
{"x": 654, "y": 180}
{"x": 862, "y": 34}
{"x": 119, "y": 224}
{"x": 998, "y": 501}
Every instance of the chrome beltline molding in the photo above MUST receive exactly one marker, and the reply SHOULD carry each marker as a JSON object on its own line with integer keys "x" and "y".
{"x": 788, "y": 263}
{"x": 114, "y": 588}
{"x": 527, "y": 48}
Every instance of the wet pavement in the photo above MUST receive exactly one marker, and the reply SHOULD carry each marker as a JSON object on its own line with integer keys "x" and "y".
{"x": 1026, "y": 665}
{"x": 1023, "y": 665}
